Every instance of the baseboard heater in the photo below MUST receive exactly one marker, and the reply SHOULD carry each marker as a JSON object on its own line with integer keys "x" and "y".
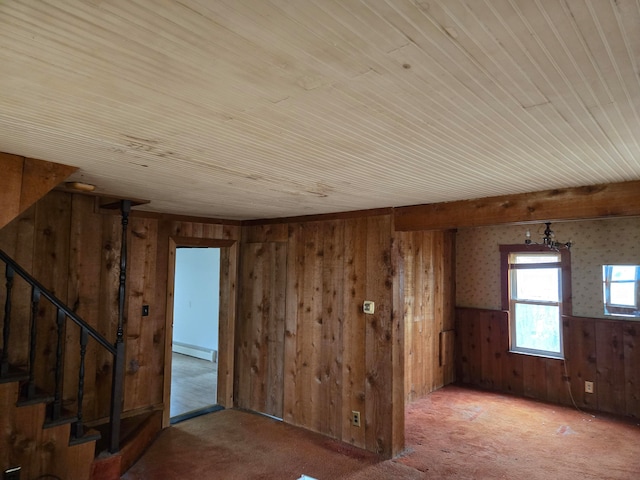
{"x": 195, "y": 351}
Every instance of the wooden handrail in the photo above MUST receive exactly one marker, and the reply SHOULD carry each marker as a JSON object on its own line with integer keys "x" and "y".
{"x": 117, "y": 349}
{"x": 57, "y": 303}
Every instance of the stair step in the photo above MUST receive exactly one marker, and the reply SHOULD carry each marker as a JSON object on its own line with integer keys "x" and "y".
{"x": 39, "y": 397}
{"x": 89, "y": 436}
{"x": 14, "y": 374}
{"x": 66, "y": 416}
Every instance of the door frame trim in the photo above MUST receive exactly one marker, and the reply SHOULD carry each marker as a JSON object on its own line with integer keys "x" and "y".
{"x": 227, "y": 317}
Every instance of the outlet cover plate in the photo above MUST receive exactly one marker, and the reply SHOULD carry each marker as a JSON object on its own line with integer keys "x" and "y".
{"x": 355, "y": 418}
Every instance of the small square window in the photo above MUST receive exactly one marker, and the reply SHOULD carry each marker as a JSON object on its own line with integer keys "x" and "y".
{"x": 620, "y": 286}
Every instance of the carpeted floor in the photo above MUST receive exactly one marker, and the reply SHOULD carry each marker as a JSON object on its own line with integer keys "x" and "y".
{"x": 454, "y": 433}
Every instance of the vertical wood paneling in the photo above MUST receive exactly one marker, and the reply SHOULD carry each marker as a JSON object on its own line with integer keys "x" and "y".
{"x": 496, "y": 347}
{"x": 10, "y": 186}
{"x": 141, "y": 385}
{"x": 557, "y": 390}
{"x": 275, "y": 338}
{"x": 444, "y": 301}
{"x": 84, "y": 296}
{"x": 261, "y": 328}
{"x": 534, "y": 376}
{"x": 610, "y": 380}
{"x": 108, "y": 310}
{"x": 398, "y": 390}
{"x": 24, "y": 181}
{"x": 75, "y": 251}
{"x": 295, "y": 257}
{"x": 427, "y": 262}
{"x": 227, "y": 320}
{"x": 379, "y": 336}
{"x": 631, "y": 370}
{"x": 602, "y": 351}
{"x": 17, "y": 240}
{"x": 336, "y": 358}
{"x": 353, "y": 355}
{"x": 53, "y": 219}
{"x": 580, "y": 355}
{"x": 310, "y": 328}
{"x": 332, "y": 326}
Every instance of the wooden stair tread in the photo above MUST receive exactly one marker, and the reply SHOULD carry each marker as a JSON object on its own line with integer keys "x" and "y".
{"x": 66, "y": 416}
{"x": 39, "y": 397}
{"x": 128, "y": 428}
{"x": 89, "y": 436}
{"x": 14, "y": 374}
{"x": 136, "y": 434}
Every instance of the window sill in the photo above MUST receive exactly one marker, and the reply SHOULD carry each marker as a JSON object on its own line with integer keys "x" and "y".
{"x": 550, "y": 355}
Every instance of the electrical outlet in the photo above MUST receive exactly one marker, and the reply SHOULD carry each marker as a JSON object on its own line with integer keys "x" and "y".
{"x": 12, "y": 474}
{"x": 355, "y": 418}
{"x": 588, "y": 387}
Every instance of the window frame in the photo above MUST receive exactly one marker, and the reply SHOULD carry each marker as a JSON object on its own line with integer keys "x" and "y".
{"x": 615, "y": 310}
{"x": 565, "y": 304}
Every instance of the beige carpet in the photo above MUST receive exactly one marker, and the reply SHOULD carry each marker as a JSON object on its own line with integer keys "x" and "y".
{"x": 454, "y": 433}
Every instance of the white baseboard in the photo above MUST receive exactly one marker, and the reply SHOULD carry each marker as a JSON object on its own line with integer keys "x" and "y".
{"x": 195, "y": 351}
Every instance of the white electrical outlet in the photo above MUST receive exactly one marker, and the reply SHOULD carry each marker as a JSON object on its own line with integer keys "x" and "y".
{"x": 588, "y": 387}
{"x": 369, "y": 307}
{"x": 355, "y": 418}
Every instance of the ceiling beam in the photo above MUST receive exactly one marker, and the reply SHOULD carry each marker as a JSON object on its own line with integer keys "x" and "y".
{"x": 578, "y": 203}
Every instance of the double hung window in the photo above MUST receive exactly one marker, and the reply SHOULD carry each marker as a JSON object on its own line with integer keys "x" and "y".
{"x": 534, "y": 292}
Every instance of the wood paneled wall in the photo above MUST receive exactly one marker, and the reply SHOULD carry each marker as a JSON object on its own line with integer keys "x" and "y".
{"x": 24, "y": 181}
{"x": 304, "y": 349}
{"x": 73, "y": 248}
{"x": 602, "y": 351}
{"x": 335, "y": 358}
{"x": 426, "y": 261}
{"x": 260, "y": 333}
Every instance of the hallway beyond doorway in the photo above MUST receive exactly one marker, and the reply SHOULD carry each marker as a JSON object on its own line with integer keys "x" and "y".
{"x": 194, "y": 384}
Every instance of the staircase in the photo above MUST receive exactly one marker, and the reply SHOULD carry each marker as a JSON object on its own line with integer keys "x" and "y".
{"x": 39, "y": 435}
{"x": 39, "y": 446}
{"x": 43, "y": 344}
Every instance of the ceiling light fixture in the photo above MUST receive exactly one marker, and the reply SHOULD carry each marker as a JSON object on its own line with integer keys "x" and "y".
{"x": 81, "y": 187}
{"x": 548, "y": 240}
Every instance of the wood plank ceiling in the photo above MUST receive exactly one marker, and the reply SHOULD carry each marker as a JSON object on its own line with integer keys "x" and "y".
{"x": 254, "y": 109}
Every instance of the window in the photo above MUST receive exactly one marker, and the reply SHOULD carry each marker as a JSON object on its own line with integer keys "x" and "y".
{"x": 620, "y": 287}
{"x": 536, "y": 294}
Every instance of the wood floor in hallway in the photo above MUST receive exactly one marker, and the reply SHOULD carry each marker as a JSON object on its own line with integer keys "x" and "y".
{"x": 194, "y": 384}
{"x": 454, "y": 433}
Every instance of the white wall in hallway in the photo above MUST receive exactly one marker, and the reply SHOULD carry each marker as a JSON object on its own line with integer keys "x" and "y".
{"x": 196, "y": 298}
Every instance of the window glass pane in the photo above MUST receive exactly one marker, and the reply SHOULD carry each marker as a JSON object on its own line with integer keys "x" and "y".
{"x": 537, "y": 284}
{"x": 623, "y": 272}
{"x": 623, "y": 294}
{"x": 538, "y": 327}
{"x": 535, "y": 257}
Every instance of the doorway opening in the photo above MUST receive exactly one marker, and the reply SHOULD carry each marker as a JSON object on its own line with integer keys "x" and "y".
{"x": 194, "y": 352}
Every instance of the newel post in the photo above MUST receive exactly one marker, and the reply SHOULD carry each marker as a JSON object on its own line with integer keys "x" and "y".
{"x": 118, "y": 370}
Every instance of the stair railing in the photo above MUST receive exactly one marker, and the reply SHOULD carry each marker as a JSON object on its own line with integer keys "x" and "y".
{"x": 63, "y": 312}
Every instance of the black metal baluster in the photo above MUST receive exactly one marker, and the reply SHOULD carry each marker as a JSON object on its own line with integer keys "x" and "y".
{"x": 56, "y": 409}
{"x": 6, "y": 328}
{"x": 79, "y": 427}
{"x": 118, "y": 369}
{"x": 30, "y": 391}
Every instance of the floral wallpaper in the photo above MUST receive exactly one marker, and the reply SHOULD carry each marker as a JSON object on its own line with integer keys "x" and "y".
{"x": 595, "y": 243}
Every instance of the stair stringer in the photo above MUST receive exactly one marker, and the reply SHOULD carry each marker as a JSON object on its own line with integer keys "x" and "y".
{"x": 38, "y": 450}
